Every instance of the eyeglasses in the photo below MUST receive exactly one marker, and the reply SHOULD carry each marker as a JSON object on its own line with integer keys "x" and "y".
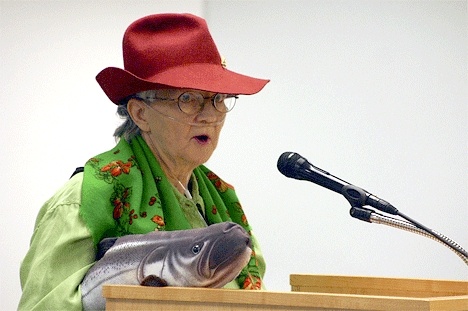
{"x": 192, "y": 103}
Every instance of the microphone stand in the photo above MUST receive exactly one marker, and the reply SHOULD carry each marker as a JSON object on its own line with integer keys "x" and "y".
{"x": 369, "y": 215}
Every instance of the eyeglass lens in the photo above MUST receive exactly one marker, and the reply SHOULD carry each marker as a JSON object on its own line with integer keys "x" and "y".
{"x": 192, "y": 102}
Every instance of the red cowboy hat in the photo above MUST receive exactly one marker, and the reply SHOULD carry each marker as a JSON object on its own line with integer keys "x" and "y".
{"x": 172, "y": 51}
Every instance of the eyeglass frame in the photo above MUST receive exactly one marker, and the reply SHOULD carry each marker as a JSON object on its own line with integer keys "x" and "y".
{"x": 201, "y": 104}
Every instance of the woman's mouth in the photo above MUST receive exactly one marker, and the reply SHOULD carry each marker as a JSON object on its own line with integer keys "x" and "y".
{"x": 203, "y": 139}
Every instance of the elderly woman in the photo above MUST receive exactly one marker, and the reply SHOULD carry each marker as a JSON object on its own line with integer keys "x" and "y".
{"x": 173, "y": 95}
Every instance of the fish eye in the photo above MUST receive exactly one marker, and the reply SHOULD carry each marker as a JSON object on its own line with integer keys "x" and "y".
{"x": 197, "y": 248}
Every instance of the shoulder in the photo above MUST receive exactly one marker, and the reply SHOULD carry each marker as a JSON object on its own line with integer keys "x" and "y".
{"x": 69, "y": 193}
{"x": 65, "y": 198}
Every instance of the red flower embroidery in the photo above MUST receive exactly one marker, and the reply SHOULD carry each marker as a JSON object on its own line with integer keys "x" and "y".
{"x": 220, "y": 184}
{"x": 258, "y": 284}
{"x": 118, "y": 211}
{"x": 116, "y": 168}
{"x": 212, "y": 176}
{"x": 120, "y": 202}
{"x": 247, "y": 283}
{"x": 158, "y": 220}
{"x": 250, "y": 284}
{"x": 152, "y": 201}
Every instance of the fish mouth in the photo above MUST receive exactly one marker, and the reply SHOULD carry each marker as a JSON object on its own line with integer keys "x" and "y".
{"x": 228, "y": 253}
{"x": 228, "y": 246}
{"x": 230, "y": 268}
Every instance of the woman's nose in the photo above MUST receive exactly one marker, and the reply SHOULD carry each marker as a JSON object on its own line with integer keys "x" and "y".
{"x": 209, "y": 114}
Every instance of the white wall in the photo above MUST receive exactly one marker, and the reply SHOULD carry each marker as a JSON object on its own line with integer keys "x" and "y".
{"x": 374, "y": 92}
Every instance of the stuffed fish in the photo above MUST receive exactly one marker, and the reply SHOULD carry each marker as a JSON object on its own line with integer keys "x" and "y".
{"x": 206, "y": 257}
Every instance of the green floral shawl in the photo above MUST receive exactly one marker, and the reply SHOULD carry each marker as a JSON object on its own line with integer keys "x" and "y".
{"x": 126, "y": 192}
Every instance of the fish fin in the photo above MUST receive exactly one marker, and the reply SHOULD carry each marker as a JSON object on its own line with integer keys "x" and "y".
{"x": 104, "y": 246}
{"x": 153, "y": 280}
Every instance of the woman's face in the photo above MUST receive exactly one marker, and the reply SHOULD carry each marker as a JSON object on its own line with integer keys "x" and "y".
{"x": 181, "y": 139}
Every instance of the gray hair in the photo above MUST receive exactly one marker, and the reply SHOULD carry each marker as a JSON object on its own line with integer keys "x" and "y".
{"x": 128, "y": 129}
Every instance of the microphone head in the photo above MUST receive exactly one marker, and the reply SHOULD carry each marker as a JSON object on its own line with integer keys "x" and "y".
{"x": 288, "y": 164}
{"x": 293, "y": 165}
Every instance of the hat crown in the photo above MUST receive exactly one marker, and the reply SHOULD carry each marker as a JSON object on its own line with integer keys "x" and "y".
{"x": 172, "y": 51}
{"x": 156, "y": 43}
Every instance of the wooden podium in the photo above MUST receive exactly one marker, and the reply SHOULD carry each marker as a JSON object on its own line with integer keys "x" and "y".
{"x": 309, "y": 292}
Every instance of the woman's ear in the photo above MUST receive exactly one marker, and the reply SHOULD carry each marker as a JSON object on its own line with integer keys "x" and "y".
{"x": 137, "y": 111}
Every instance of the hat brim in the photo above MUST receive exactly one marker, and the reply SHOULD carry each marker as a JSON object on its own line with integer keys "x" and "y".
{"x": 118, "y": 83}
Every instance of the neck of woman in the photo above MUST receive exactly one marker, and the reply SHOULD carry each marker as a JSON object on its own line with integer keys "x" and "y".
{"x": 178, "y": 175}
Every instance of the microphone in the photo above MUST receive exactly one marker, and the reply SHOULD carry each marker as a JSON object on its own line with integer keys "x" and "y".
{"x": 295, "y": 166}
